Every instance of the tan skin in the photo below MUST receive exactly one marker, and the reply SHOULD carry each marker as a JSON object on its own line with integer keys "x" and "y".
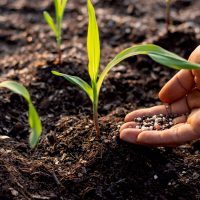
{"x": 179, "y": 95}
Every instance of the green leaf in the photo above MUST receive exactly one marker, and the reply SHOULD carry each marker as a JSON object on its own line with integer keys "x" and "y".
{"x": 157, "y": 53}
{"x": 34, "y": 120}
{"x": 63, "y": 5}
{"x": 78, "y": 82}
{"x": 16, "y": 88}
{"x": 93, "y": 43}
{"x": 35, "y": 124}
{"x": 50, "y": 22}
{"x": 57, "y": 4}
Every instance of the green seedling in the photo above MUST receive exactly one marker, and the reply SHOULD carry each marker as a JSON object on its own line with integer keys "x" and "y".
{"x": 168, "y": 15}
{"x": 34, "y": 120}
{"x": 57, "y": 25}
{"x": 157, "y": 53}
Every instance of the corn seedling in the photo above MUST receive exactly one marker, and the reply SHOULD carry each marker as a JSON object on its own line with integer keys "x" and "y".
{"x": 157, "y": 53}
{"x": 34, "y": 120}
{"x": 168, "y": 15}
{"x": 57, "y": 25}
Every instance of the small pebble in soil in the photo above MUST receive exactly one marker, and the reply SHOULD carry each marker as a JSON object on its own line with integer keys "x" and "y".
{"x": 114, "y": 137}
{"x": 195, "y": 175}
{"x": 155, "y": 122}
{"x": 80, "y": 175}
{"x": 155, "y": 177}
{"x": 14, "y": 192}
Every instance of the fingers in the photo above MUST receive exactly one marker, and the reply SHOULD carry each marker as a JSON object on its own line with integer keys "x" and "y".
{"x": 195, "y": 58}
{"x": 177, "y": 135}
{"x": 161, "y": 109}
{"x": 182, "y": 106}
{"x": 130, "y": 135}
{"x": 197, "y": 81}
{"x": 169, "y": 137}
{"x": 128, "y": 125}
{"x": 178, "y": 107}
{"x": 182, "y": 82}
{"x": 180, "y": 134}
{"x": 194, "y": 120}
{"x": 177, "y": 87}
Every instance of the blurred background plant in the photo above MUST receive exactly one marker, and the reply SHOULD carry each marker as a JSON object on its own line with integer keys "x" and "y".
{"x": 57, "y": 25}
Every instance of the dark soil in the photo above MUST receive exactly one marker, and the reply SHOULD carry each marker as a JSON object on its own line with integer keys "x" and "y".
{"x": 69, "y": 162}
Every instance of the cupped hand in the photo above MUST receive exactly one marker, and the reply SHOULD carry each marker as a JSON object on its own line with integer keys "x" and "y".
{"x": 180, "y": 95}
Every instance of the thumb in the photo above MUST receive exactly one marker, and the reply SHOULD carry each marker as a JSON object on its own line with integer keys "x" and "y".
{"x": 195, "y": 58}
{"x": 182, "y": 82}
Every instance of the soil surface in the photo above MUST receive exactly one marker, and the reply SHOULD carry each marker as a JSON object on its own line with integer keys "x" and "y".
{"x": 69, "y": 162}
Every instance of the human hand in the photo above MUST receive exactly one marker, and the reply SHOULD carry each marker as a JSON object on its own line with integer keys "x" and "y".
{"x": 181, "y": 95}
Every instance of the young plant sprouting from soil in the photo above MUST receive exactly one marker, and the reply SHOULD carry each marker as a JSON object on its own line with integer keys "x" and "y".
{"x": 57, "y": 27}
{"x": 34, "y": 120}
{"x": 168, "y": 15}
{"x": 157, "y": 53}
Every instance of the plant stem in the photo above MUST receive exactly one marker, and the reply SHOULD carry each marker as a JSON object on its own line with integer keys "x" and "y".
{"x": 95, "y": 109}
{"x": 59, "y": 56}
{"x": 95, "y": 119}
{"x": 59, "y": 28}
{"x": 168, "y": 17}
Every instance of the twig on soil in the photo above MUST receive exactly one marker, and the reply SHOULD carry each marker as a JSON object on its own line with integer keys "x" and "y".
{"x": 56, "y": 178}
{"x": 36, "y": 196}
{"x": 40, "y": 173}
{"x": 168, "y": 15}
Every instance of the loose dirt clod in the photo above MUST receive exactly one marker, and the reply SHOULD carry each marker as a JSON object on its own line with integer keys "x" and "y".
{"x": 155, "y": 122}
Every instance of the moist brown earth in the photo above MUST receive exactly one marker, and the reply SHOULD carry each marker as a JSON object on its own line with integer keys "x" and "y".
{"x": 69, "y": 162}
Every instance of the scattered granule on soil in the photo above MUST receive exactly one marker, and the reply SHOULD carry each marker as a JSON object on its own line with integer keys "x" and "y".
{"x": 155, "y": 122}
